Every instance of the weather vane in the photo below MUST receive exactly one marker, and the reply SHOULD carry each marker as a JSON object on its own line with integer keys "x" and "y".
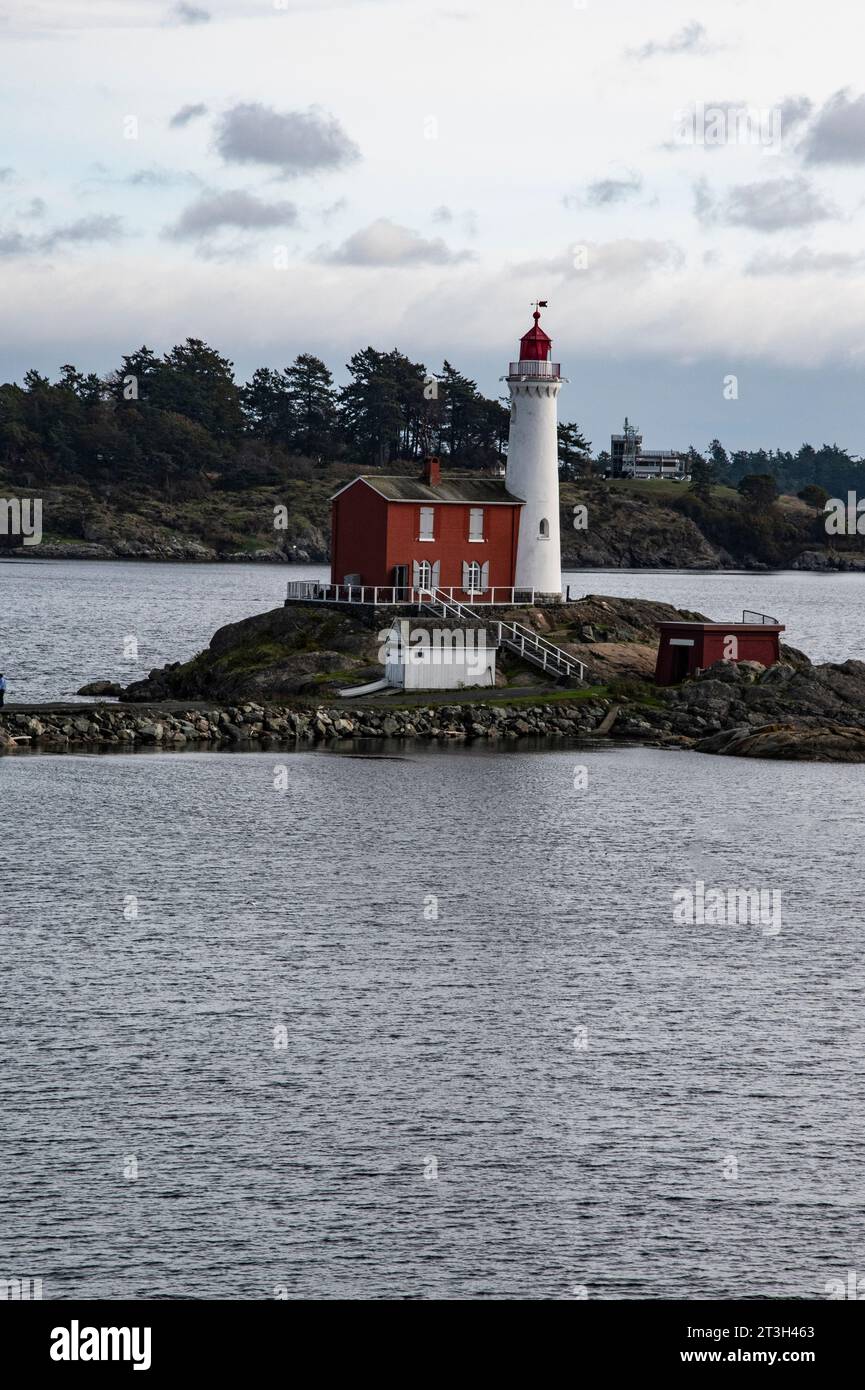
{"x": 540, "y": 303}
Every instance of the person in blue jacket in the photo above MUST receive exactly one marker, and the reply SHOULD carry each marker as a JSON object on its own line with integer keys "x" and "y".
{"x": 2, "y": 689}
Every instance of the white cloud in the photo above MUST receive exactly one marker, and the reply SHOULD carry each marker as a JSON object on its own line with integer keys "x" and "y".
{"x": 767, "y": 205}
{"x": 691, "y": 39}
{"x": 186, "y": 114}
{"x": 806, "y": 261}
{"x": 837, "y": 133}
{"x": 292, "y": 142}
{"x": 184, "y": 13}
{"x": 235, "y": 208}
{"x": 385, "y": 243}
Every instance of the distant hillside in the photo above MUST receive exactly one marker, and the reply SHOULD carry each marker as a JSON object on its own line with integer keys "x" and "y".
{"x": 640, "y": 525}
{"x": 666, "y": 525}
{"x": 172, "y": 458}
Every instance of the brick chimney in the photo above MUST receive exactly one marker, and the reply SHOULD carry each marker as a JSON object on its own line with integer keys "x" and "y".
{"x": 432, "y": 471}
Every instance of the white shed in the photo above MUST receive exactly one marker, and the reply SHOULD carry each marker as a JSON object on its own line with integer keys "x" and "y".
{"x": 423, "y": 654}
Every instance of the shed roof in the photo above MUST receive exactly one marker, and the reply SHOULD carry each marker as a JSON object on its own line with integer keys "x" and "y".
{"x": 453, "y": 487}
{"x": 722, "y": 627}
{"x": 433, "y": 624}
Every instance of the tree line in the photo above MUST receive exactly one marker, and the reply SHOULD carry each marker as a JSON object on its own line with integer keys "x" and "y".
{"x": 182, "y": 423}
{"x": 830, "y": 469}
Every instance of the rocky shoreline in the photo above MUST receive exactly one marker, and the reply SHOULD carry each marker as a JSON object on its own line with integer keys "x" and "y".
{"x": 274, "y": 679}
{"x": 124, "y": 728}
{"x": 814, "y": 713}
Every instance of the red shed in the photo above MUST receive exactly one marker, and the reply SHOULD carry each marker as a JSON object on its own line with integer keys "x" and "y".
{"x": 687, "y": 648}
{"x": 427, "y": 532}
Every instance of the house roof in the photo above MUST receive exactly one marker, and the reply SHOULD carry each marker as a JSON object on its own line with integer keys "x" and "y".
{"x": 453, "y": 487}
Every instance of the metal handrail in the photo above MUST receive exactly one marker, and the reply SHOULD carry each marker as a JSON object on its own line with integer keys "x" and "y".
{"x": 749, "y": 616}
{"x": 541, "y": 652}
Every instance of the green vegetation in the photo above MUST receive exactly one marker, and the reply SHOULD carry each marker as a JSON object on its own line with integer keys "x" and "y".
{"x": 172, "y": 456}
{"x": 182, "y": 426}
{"x": 253, "y": 656}
{"x": 751, "y": 522}
{"x": 662, "y": 488}
{"x": 498, "y": 696}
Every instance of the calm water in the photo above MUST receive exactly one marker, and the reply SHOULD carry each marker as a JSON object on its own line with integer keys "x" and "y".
{"x": 418, "y": 1043}
{"x": 430, "y": 929}
{"x": 66, "y": 622}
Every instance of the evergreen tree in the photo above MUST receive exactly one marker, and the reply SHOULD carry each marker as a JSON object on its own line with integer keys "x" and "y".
{"x": 814, "y": 496}
{"x": 268, "y": 408}
{"x": 575, "y": 456}
{"x": 718, "y": 455}
{"x": 312, "y": 404}
{"x": 703, "y": 475}
{"x": 760, "y": 489}
{"x": 370, "y": 409}
{"x": 196, "y": 381}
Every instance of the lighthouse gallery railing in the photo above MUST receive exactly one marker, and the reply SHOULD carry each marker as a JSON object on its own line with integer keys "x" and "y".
{"x": 535, "y": 369}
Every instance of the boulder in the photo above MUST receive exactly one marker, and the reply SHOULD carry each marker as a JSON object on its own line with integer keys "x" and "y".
{"x": 149, "y": 733}
{"x": 101, "y": 688}
{"x": 827, "y": 743}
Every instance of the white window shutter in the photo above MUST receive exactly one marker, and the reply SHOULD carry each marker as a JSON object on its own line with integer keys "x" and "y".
{"x": 436, "y": 573}
{"x": 466, "y": 578}
{"x": 415, "y": 577}
{"x": 485, "y": 576}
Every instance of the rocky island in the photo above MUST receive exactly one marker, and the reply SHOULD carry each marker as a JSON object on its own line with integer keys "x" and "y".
{"x": 274, "y": 679}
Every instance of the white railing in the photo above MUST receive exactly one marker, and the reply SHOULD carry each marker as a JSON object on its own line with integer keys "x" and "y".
{"x": 532, "y": 368}
{"x": 323, "y": 591}
{"x": 541, "y": 652}
{"x": 517, "y": 638}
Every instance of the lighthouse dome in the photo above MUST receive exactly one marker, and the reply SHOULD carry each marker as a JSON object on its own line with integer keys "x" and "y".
{"x": 536, "y": 345}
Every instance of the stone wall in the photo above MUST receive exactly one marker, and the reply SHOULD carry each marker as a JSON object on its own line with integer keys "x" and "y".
{"x": 122, "y": 728}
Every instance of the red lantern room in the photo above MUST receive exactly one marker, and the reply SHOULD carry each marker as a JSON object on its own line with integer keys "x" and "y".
{"x": 535, "y": 349}
{"x": 536, "y": 345}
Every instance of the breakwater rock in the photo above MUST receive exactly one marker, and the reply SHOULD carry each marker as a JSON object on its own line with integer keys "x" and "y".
{"x": 799, "y": 711}
{"x": 124, "y": 728}
{"x": 825, "y": 743}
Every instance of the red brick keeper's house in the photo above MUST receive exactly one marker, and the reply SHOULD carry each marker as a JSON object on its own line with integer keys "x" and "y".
{"x": 425, "y": 533}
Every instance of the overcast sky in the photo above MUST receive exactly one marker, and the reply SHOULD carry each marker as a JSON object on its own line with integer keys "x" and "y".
{"x": 683, "y": 182}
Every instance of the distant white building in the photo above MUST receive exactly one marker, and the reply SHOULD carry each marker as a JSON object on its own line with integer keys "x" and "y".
{"x": 628, "y": 458}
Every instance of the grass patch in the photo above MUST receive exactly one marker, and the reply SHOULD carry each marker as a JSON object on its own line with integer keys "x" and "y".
{"x": 634, "y": 692}
{"x": 502, "y": 697}
{"x": 662, "y": 488}
{"x": 253, "y": 656}
{"x": 322, "y": 677}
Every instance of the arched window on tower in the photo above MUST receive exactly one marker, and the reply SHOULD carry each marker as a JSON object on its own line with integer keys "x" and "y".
{"x": 544, "y": 529}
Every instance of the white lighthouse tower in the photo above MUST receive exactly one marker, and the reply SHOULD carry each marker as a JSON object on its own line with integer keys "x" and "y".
{"x": 533, "y": 461}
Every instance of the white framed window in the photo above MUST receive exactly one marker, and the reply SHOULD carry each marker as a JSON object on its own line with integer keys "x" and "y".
{"x": 424, "y": 575}
{"x": 476, "y": 577}
{"x": 476, "y": 523}
{"x": 544, "y": 529}
{"x": 427, "y": 524}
